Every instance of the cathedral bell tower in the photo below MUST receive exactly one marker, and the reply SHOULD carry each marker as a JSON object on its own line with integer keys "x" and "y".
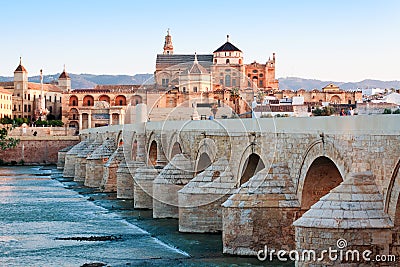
{"x": 168, "y": 47}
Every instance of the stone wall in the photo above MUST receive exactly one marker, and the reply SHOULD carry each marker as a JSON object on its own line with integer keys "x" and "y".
{"x": 38, "y": 150}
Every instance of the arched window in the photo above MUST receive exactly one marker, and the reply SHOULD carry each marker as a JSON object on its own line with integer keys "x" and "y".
{"x": 120, "y": 100}
{"x": 88, "y": 100}
{"x": 73, "y": 101}
{"x": 227, "y": 61}
{"x": 227, "y": 80}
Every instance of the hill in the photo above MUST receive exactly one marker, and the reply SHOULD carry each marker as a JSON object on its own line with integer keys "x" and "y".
{"x": 291, "y": 83}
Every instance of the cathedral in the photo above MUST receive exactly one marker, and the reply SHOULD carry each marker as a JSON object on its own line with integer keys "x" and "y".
{"x": 217, "y": 84}
{"x": 225, "y": 66}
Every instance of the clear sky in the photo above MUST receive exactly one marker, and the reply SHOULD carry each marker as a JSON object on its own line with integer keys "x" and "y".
{"x": 342, "y": 40}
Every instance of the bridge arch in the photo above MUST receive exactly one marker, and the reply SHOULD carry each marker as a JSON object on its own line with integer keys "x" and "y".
{"x": 322, "y": 169}
{"x": 152, "y": 149}
{"x": 392, "y": 203}
{"x": 251, "y": 162}
{"x": 174, "y": 146}
{"x": 252, "y": 166}
{"x": 206, "y": 154}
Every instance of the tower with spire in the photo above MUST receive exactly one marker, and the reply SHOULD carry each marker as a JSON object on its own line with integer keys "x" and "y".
{"x": 20, "y": 78}
{"x": 168, "y": 47}
{"x": 64, "y": 81}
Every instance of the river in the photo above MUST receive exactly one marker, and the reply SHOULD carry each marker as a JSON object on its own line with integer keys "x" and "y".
{"x": 47, "y": 220}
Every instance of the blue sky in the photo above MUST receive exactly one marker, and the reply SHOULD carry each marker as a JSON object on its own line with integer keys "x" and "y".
{"x": 329, "y": 40}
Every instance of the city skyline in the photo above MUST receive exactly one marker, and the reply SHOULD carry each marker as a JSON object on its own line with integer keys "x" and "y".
{"x": 343, "y": 41}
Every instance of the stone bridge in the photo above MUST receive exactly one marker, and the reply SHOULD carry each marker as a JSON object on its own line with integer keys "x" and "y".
{"x": 288, "y": 183}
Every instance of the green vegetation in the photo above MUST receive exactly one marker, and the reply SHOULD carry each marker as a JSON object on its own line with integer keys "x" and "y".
{"x": 389, "y": 111}
{"x": 5, "y": 141}
{"x": 325, "y": 111}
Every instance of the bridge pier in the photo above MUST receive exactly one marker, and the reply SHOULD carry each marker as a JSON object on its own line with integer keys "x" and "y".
{"x": 95, "y": 162}
{"x": 70, "y": 157}
{"x": 109, "y": 181}
{"x": 80, "y": 164}
{"x": 200, "y": 201}
{"x": 143, "y": 187}
{"x": 61, "y": 157}
{"x": 177, "y": 173}
{"x": 261, "y": 213}
{"x": 125, "y": 173}
{"x": 353, "y": 212}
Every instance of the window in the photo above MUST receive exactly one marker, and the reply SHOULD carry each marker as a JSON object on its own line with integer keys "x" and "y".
{"x": 34, "y": 97}
{"x": 19, "y": 108}
{"x": 221, "y": 81}
{"x": 50, "y": 98}
{"x": 227, "y": 80}
{"x": 184, "y": 89}
{"x": 227, "y": 61}
{"x": 121, "y": 102}
{"x": 15, "y": 107}
{"x": 51, "y": 109}
{"x": 25, "y": 108}
{"x": 215, "y": 61}
{"x": 29, "y": 108}
{"x": 74, "y": 102}
{"x": 233, "y": 82}
{"x": 260, "y": 83}
{"x": 261, "y": 75}
{"x": 255, "y": 71}
{"x": 195, "y": 89}
{"x": 29, "y": 96}
{"x": 165, "y": 82}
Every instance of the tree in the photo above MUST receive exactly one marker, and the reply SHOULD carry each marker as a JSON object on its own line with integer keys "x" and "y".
{"x": 325, "y": 111}
{"x": 387, "y": 111}
{"x": 5, "y": 141}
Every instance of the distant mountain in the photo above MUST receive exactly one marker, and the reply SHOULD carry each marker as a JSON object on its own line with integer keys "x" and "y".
{"x": 291, "y": 83}
{"x": 90, "y": 80}
{"x": 294, "y": 83}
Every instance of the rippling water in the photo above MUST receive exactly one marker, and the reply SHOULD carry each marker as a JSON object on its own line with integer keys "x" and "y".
{"x": 39, "y": 214}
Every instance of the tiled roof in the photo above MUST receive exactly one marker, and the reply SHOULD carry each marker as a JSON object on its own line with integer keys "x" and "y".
{"x": 197, "y": 69}
{"x": 227, "y": 47}
{"x": 5, "y": 91}
{"x": 64, "y": 75}
{"x": 166, "y": 61}
{"x": 46, "y": 87}
{"x": 355, "y": 204}
{"x": 20, "y": 68}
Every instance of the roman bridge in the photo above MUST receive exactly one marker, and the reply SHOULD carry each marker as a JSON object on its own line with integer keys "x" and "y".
{"x": 289, "y": 183}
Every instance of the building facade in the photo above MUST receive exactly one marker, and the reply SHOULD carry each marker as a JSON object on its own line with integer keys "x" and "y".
{"x": 5, "y": 103}
{"x": 26, "y": 95}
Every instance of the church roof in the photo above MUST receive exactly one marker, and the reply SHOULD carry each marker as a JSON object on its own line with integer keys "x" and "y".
{"x": 64, "y": 75}
{"x": 166, "y": 61}
{"x": 20, "y": 68}
{"x": 227, "y": 47}
{"x": 197, "y": 69}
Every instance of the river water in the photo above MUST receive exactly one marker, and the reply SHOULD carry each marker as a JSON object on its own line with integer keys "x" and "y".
{"x": 46, "y": 220}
